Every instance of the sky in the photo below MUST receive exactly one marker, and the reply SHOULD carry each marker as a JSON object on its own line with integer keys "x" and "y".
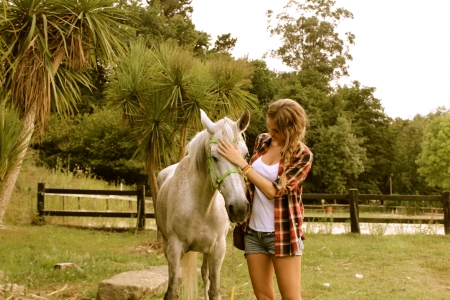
{"x": 402, "y": 47}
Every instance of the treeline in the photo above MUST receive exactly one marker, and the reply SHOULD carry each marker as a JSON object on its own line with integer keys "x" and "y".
{"x": 356, "y": 145}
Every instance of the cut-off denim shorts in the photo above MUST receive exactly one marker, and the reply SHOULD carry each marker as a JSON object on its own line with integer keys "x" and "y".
{"x": 263, "y": 242}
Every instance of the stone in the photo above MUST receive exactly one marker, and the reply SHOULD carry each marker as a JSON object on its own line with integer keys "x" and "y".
{"x": 134, "y": 285}
{"x": 12, "y": 290}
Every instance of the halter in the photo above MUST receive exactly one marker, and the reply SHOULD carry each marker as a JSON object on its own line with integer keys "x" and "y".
{"x": 216, "y": 180}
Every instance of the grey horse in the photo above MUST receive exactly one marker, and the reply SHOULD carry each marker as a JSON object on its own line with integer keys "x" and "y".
{"x": 198, "y": 198}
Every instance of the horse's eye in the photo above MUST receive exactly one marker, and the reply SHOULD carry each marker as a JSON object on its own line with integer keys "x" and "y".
{"x": 215, "y": 159}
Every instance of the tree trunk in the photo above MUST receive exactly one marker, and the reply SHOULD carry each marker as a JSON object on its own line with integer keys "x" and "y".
{"x": 9, "y": 181}
{"x": 183, "y": 139}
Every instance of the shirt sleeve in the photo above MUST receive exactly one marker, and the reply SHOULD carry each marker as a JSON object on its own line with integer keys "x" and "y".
{"x": 296, "y": 173}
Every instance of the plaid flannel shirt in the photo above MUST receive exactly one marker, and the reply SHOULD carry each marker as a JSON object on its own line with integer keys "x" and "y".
{"x": 289, "y": 207}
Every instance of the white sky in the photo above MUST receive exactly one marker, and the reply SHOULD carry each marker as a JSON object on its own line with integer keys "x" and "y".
{"x": 402, "y": 47}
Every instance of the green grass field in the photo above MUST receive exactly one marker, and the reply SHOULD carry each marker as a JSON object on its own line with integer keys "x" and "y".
{"x": 400, "y": 266}
{"x": 393, "y": 267}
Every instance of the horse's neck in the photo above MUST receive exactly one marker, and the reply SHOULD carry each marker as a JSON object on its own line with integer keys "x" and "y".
{"x": 201, "y": 184}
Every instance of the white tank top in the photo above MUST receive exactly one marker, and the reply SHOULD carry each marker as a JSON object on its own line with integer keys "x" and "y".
{"x": 262, "y": 217}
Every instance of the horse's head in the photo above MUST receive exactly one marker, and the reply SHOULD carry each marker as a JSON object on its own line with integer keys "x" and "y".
{"x": 225, "y": 176}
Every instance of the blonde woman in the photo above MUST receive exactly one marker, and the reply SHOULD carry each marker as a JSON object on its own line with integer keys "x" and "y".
{"x": 278, "y": 167}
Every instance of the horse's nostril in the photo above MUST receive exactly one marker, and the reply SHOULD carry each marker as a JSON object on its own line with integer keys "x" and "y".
{"x": 230, "y": 209}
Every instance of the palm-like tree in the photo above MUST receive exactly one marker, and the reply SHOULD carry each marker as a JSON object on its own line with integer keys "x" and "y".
{"x": 11, "y": 145}
{"x": 160, "y": 92}
{"x": 44, "y": 47}
{"x": 181, "y": 77}
{"x": 144, "y": 109}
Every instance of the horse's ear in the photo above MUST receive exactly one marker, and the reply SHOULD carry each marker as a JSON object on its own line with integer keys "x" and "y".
{"x": 244, "y": 120}
{"x": 209, "y": 125}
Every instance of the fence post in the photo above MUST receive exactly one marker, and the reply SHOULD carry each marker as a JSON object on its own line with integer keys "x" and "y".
{"x": 41, "y": 201}
{"x": 446, "y": 207}
{"x": 141, "y": 206}
{"x": 354, "y": 210}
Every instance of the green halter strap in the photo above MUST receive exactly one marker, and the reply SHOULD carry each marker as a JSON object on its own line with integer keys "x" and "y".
{"x": 216, "y": 179}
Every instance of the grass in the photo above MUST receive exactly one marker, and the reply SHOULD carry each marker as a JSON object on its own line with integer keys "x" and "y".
{"x": 393, "y": 267}
{"x": 28, "y": 254}
{"x": 22, "y": 208}
{"x": 401, "y": 266}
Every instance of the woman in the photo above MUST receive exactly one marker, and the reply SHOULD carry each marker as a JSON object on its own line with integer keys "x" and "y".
{"x": 280, "y": 164}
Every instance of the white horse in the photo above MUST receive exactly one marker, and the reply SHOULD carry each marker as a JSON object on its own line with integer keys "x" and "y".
{"x": 197, "y": 198}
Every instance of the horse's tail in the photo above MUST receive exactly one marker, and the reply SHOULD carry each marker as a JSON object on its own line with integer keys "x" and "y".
{"x": 189, "y": 275}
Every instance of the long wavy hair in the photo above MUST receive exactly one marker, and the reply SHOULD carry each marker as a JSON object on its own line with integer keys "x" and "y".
{"x": 291, "y": 120}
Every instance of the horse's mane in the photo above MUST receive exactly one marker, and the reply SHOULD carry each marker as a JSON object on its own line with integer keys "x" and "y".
{"x": 198, "y": 147}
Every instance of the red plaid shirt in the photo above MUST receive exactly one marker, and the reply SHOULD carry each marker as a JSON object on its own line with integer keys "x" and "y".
{"x": 289, "y": 208}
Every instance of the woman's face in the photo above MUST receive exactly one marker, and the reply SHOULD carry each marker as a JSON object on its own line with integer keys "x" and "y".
{"x": 274, "y": 131}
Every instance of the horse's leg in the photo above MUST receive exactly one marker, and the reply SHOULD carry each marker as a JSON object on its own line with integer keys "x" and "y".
{"x": 215, "y": 260}
{"x": 205, "y": 275}
{"x": 174, "y": 252}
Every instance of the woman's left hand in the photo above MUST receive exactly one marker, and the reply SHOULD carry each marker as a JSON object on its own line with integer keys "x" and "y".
{"x": 231, "y": 153}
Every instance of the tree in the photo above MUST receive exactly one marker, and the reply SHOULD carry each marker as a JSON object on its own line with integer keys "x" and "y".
{"x": 224, "y": 43}
{"x": 144, "y": 108}
{"x": 45, "y": 46}
{"x": 157, "y": 25}
{"x": 95, "y": 143}
{"x": 310, "y": 41}
{"x": 371, "y": 124}
{"x": 11, "y": 144}
{"x": 338, "y": 156}
{"x": 434, "y": 161}
{"x": 160, "y": 92}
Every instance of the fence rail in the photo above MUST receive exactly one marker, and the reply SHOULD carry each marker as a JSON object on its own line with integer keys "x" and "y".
{"x": 139, "y": 193}
{"x": 353, "y": 197}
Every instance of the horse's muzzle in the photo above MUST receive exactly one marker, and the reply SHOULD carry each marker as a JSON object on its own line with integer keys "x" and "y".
{"x": 238, "y": 213}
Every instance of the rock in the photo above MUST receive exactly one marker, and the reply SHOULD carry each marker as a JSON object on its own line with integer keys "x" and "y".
{"x": 12, "y": 290}
{"x": 134, "y": 285}
{"x": 63, "y": 266}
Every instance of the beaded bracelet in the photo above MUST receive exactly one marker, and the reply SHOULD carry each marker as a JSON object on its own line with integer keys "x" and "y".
{"x": 247, "y": 170}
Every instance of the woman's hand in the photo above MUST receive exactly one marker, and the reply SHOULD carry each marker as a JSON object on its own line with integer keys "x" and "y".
{"x": 232, "y": 153}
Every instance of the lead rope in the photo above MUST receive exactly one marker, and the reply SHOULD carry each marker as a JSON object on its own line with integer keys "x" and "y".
{"x": 233, "y": 289}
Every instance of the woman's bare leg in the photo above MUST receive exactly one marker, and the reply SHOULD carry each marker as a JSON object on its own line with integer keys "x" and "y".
{"x": 289, "y": 276}
{"x": 260, "y": 267}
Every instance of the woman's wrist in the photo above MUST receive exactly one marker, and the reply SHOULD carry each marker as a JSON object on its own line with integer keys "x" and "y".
{"x": 243, "y": 165}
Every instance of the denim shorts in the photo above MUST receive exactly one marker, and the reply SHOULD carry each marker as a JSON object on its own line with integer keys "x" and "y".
{"x": 262, "y": 242}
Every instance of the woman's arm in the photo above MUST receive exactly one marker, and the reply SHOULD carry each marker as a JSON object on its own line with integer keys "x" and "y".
{"x": 230, "y": 152}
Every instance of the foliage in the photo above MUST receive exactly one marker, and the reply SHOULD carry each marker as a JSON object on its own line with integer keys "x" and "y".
{"x": 230, "y": 86}
{"x": 11, "y": 141}
{"x": 45, "y": 49}
{"x": 168, "y": 21}
{"x": 310, "y": 41}
{"x": 224, "y": 43}
{"x": 97, "y": 144}
{"x": 408, "y": 137}
{"x": 434, "y": 161}
{"x": 371, "y": 124}
{"x": 347, "y": 158}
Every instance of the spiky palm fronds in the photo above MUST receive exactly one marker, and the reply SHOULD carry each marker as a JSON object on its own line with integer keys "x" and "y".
{"x": 231, "y": 81}
{"x": 11, "y": 141}
{"x": 46, "y": 40}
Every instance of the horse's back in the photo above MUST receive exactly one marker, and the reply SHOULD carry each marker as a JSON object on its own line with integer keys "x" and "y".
{"x": 165, "y": 174}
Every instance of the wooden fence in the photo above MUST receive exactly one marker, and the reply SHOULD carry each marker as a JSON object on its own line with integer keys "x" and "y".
{"x": 352, "y": 197}
{"x": 140, "y": 213}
